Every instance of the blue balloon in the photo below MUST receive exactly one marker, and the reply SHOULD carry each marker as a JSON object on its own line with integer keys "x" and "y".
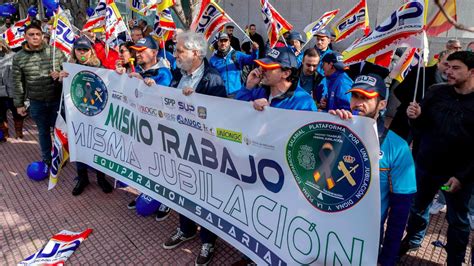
{"x": 7, "y": 10}
{"x": 121, "y": 184}
{"x": 51, "y": 4}
{"x": 146, "y": 206}
{"x": 49, "y": 13}
{"x": 90, "y": 11}
{"x": 37, "y": 171}
{"x": 32, "y": 11}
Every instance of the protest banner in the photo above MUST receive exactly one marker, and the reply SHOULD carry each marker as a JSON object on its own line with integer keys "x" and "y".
{"x": 284, "y": 187}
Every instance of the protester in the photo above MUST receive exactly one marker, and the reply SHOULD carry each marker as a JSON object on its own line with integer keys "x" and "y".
{"x": 149, "y": 69}
{"x": 146, "y": 29}
{"x": 83, "y": 54}
{"x": 405, "y": 92}
{"x": 127, "y": 59}
{"x": 278, "y": 76}
{"x": 170, "y": 45}
{"x": 7, "y": 23}
{"x": 234, "y": 42}
{"x": 397, "y": 169}
{"x": 107, "y": 58}
{"x": 35, "y": 78}
{"x": 194, "y": 74}
{"x": 136, "y": 34}
{"x": 453, "y": 45}
{"x": 295, "y": 42}
{"x": 445, "y": 125}
{"x": 229, "y": 63}
{"x": 309, "y": 78}
{"x": 255, "y": 37}
{"x": 323, "y": 40}
{"x": 470, "y": 47}
{"x": 6, "y": 94}
{"x": 331, "y": 94}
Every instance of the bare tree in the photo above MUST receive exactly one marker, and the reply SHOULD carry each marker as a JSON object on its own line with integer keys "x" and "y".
{"x": 451, "y": 20}
{"x": 184, "y": 15}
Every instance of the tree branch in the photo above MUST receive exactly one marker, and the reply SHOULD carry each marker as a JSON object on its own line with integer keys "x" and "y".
{"x": 451, "y": 20}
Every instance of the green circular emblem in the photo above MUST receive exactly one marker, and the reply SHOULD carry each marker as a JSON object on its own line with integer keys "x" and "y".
{"x": 330, "y": 165}
{"x": 88, "y": 93}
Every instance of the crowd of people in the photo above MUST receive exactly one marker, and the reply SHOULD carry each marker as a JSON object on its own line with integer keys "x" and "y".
{"x": 427, "y": 145}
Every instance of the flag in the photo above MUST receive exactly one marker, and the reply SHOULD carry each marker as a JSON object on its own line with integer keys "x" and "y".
{"x": 97, "y": 20}
{"x": 439, "y": 23}
{"x": 58, "y": 249}
{"x": 210, "y": 20}
{"x": 60, "y": 152}
{"x": 15, "y": 35}
{"x": 137, "y": 6}
{"x": 114, "y": 23}
{"x": 63, "y": 33}
{"x": 382, "y": 60}
{"x": 403, "y": 28}
{"x": 164, "y": 26}
{"x": 319, "y": 24}
{"x": 405, "y": 64}
{"x": 275, "y": 23}
{"x": 158, "y": 5}
{"x": 357, "y": 17}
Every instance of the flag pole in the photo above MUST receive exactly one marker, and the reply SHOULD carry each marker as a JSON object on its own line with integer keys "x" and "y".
{"x": 245, "y": 33}
{"x": 420, "y": 61}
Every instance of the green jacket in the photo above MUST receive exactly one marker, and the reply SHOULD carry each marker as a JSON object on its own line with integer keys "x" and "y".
{"x": 31, "y": 74}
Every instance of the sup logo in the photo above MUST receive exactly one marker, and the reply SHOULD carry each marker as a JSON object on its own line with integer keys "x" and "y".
{"x": 88, "y": 93}
{"x": 330, "y": 164}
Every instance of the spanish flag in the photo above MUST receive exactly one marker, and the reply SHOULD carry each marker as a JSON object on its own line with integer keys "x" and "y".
{"x": 439, "y": 23}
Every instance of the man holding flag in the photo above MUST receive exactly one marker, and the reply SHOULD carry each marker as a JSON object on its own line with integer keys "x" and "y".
{"x": 35, "y": 77}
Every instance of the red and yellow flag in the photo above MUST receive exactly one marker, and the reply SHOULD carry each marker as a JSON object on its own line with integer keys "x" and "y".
{"x": 357, "y": 17}
{"x": 439, "y": 23}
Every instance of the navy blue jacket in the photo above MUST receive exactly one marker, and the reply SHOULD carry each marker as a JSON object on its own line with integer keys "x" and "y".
{"x": 210, "y": 84}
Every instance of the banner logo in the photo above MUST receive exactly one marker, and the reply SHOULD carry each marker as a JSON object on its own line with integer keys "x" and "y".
{"x": 229, "y": 135}
{"x": 88, "y": 93}
{"x": 330, "y": 165}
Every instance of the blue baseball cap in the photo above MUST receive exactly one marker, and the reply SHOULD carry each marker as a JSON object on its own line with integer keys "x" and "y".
{"x": 278, "y": 57}
{"x": 145, "y": 43}
{"x": 82, "y": 43}
{"x": 336, "y": 59}
{"x": 323, "y": 33}
{"x": 370, "y": 85}
{"x": 296, "y": 36}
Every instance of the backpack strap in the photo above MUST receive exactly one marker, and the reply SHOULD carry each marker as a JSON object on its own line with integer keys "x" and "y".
{"x": 382, "y": 130}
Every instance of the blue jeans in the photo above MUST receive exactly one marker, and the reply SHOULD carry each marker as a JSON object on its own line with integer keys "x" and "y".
{"x": 44, "y": 114}
{"x": 457, "y": 210}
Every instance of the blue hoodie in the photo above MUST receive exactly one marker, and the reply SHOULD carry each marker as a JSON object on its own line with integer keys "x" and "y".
{"x": 160, "y": 73}
{"x": 297, "y": 99}
{"x": 231, "y": 71}
{"x": 334, "y": 88}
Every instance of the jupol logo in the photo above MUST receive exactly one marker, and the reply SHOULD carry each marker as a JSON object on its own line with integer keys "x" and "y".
{"x": 229, "y": 135}
{"x": 330, "y": 164}
{"x": 89, "y": 93}
{"x": 188, "y": 122}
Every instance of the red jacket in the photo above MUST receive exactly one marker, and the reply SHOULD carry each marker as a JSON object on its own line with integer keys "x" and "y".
{"x": 109, "y": 60}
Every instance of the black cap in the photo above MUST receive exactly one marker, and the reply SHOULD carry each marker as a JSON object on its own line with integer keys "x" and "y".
{"x": 82, "y": 43}
{"x": 370, "y": 85}
{"x": 335, "y": 58}
{"x": 278, "y": 57}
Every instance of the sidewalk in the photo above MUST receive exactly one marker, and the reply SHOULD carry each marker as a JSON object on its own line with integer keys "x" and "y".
{"x": 30, "y": 215}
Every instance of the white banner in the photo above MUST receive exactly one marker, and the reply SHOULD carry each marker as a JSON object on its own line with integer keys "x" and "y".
{"x": 284, "y": 187}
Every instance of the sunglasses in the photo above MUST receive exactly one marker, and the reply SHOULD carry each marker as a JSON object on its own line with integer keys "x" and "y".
{"x": 83, "y": 49}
